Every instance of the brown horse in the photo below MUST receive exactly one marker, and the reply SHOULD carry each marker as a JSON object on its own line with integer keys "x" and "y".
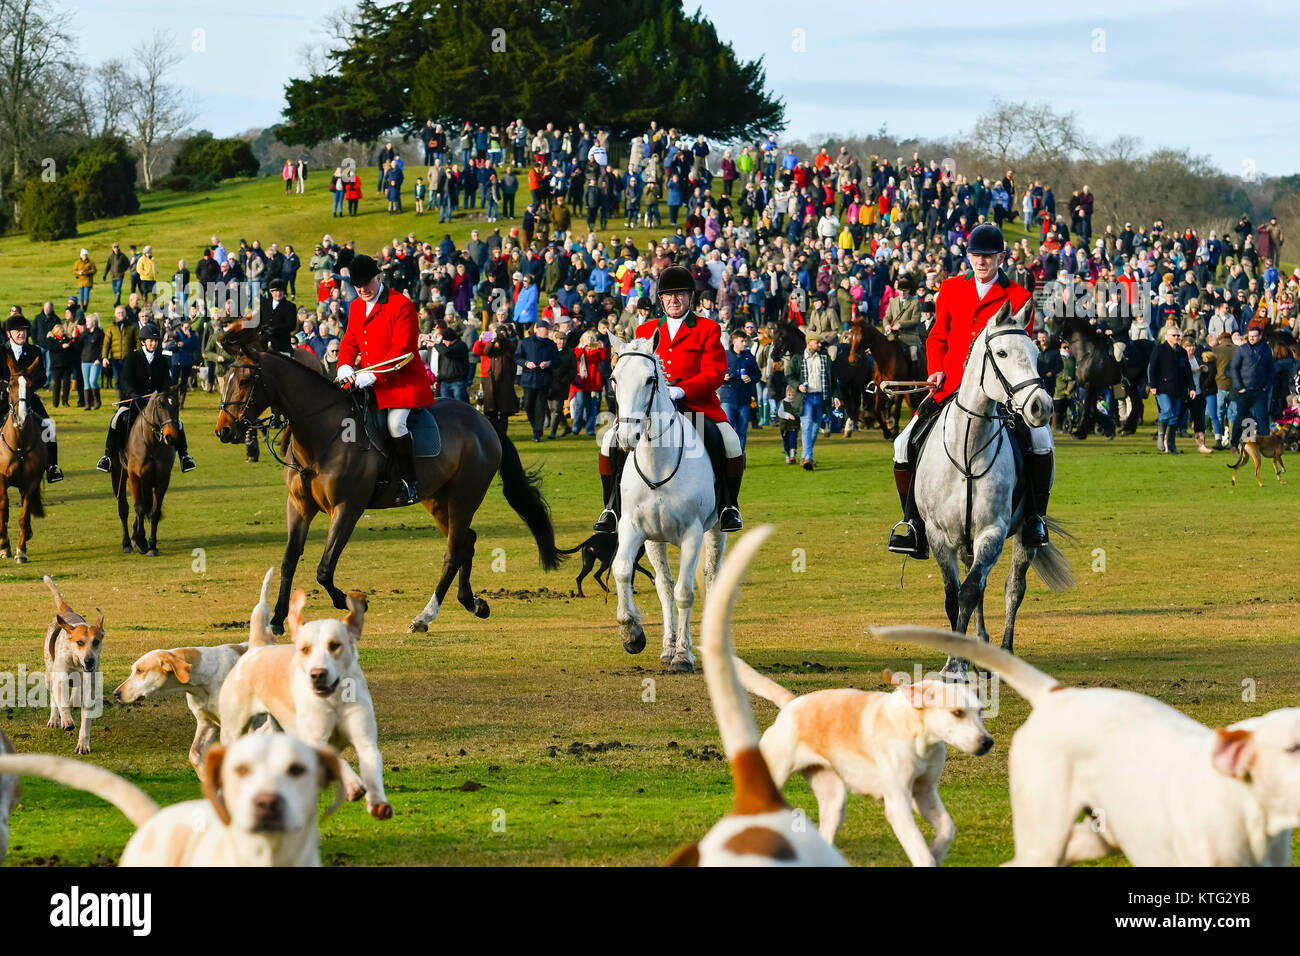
{"x": 893, "y": 364}
{"x": 23, "y": 458}
{"x": 332, "y": 467}
{"x": 144, "y": 465}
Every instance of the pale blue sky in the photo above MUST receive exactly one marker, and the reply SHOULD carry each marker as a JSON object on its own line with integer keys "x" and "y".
{"x": 1217, "y": 78}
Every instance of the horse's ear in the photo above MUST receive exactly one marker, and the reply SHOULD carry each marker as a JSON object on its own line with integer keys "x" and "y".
{"x": 1026, "y": 312}
{"x": 30, "y": 370}
{"x": 654, "y": 341}
{"x": 1003, "y": 316}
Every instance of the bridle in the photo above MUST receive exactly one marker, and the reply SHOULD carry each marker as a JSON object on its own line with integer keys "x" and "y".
{"x": 19, "y": 453}
{"x": 643, "y": 417}
{"x": 1010, "y": 390}
{"x": 156, "y": 425}
{"x": 243, "y": 420}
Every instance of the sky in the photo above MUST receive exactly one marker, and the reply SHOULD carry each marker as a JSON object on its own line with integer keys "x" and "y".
{"x": 1213, "y": 78}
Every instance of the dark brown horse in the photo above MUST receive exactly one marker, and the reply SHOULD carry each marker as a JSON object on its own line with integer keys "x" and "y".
{"x": 144, "y": 466}
{"x": 331, "y": 467}
{"x": 23, "y": 458}
{"x": 893, "y": 364}
{"x": 1095, "y": 369}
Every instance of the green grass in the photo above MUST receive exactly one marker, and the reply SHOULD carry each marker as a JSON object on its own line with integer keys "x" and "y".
{"x": 1198, "y": 596}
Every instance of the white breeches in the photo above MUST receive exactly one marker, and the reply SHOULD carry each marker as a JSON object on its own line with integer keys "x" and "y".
{"x": 1040, "y": 441}
{"x": 397, "y": 421}
{"x": 730, "y": 440}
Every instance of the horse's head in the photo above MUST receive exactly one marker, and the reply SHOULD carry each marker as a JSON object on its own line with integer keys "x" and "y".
{"x": 857, "y": 340}
{"x": 242, "y": 402}
{"x": 163, "y": 414}
{"x": 20, "y": 386}
{"x": 1007, "y": 351}
{"x": 640, "y": 387}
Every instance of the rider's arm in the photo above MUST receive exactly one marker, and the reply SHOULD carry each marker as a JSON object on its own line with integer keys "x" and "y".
{"x": 713, "y": 369}
{"x": 936, "y": 343}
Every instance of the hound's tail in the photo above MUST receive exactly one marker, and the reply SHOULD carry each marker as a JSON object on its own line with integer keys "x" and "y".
{"x": 1053, "y": 566}
{"x": 1031, "y": 683}
{"x": 126, "y": 796}
{"x": 59, "y": 603}
{"x": 259, "y": 629}
{"x": 762, "y": 685}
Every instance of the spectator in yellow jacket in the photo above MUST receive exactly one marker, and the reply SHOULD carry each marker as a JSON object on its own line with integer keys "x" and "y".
{"x": 147, "y": 269}
{"x": 84, "y": 270}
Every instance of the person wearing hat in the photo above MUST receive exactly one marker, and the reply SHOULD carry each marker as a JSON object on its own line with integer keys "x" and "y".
{"x": 382, "y": 325}
{"x": 23, "y": 354}
{"x": 903, "y": 318}
{"x": 277, "y": 320}
{"x": 695, "y": 362}
{"x": 537, "y": 356}
{"x": 963, "y": 307}
{"x": 145, "y": 370}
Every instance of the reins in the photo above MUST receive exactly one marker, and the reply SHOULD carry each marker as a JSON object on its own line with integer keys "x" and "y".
{"x": 646, "y": 417}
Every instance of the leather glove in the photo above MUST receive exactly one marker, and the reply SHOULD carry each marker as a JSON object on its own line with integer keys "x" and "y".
{"x": 364, "y": 379}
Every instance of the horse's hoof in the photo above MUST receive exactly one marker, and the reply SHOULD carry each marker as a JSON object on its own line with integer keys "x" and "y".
{"x": 152, "y": 552}
{"x": 636, "y": 643}
{"x": 417, "y": 627}
{"x": 341, "y": 602}
{"x": 681, "y": 667}
{"x": 481, "y": 608}
{"x": 277, "y": 628}
{"x": 20, "y": 558}
{"x": 127, "y": 549}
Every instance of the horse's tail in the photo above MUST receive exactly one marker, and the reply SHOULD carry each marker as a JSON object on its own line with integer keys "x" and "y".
{"x": 1031, "y": 683}
{"x": 126, "y": 796}
{"x": 35, "y": 504}
{"x": 1053, "y": 566}
{"x": 762, "y": 685}
{"x": 523, "y": 491}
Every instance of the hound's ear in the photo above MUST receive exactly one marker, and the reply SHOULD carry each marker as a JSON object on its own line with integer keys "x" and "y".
{"x": 177, "y": 665}
{"x": 1234, "y": 752}
{"x": 99, "y": 622}
{"x": 913, "y": 693}
{"x": 897, "y": 680}
{"x": 357, "y": 605}
{"x": 58, "y": 619}
{"x": 331, "y": 771}
{"x": 212, "y": 762}
{"x": 296, "y": 604}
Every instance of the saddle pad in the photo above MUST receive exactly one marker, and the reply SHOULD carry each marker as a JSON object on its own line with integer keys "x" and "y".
{"x": 425, "y": 435}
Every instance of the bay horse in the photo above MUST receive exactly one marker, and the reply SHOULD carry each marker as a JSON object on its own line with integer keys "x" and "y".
{"x": 23, "y": 458}
{"x": 1095, "y": 369}
{"x": 967, "y": 473}
{"x": 668, "y": 497}
{"x": 327, "y": 471}
{"x": 144, "y": 467}
{"x": 893, "y": 364}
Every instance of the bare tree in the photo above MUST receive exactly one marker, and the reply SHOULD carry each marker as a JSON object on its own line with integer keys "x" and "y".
{"x": 100, "y": 102}
{"x": 156, "y": 110}
{"x": 34, "y": 53}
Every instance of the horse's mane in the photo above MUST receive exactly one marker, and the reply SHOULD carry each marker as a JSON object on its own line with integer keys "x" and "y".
{"x": 1074, "y": 325}
{"x": 309, "y": 375}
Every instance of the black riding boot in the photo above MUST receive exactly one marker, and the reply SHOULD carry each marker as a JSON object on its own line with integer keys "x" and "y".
{"x": 1034, "y": 532}
{"x": 611, "y": 472}
{"x": 113, "y": 442}
{"x": 183, "y": 450}
{"x": 908, "y": 536}
{"x": 52, "y": 472}
{"x": 729, "y": 516}
{"x": 404, "y": 451}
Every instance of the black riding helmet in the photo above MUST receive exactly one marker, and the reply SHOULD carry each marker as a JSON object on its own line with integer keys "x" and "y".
{"x": 675, "y": 279}
{"x": 18, "y": 323}
{"x": 986, "y": 239}
{"x": 149, "y": 331}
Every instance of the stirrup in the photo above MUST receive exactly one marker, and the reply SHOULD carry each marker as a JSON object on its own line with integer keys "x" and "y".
{"x": 104, "y": 464}
{"x": 909, "y": 541}
{"x": 52, "y": 474}
{"x": 607, "y": 523}
{"x": 729, "y": 520}
{"x": 407, "y": 493}
{"x": 1034, "y": 533}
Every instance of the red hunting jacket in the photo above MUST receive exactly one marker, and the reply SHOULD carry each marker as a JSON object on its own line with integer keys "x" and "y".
{"x": 959, "y": 317}
{"x": 695, "y": 361}
{"x": 390, "y": 330}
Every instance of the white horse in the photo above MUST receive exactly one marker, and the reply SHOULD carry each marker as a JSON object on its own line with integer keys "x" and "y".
{"x": 966, "y": 478}
{"x": 668, "y": 497}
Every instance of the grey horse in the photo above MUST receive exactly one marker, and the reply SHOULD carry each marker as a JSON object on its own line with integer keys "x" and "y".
{"x": 966, "y": 479}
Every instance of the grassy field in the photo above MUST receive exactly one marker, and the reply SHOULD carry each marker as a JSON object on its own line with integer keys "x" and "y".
{"x": 528, "y": 738}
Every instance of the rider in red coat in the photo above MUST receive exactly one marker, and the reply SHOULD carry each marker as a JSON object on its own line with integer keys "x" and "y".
{"x": 962, "y": 309}
{"x": 695, "y": 362}
{"x": 382, "y": 325}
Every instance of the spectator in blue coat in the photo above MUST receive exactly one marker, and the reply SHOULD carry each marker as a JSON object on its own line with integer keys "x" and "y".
{"x": 1251, "y": 371}
{"x": 535, "y": 357}
{"x": 739, "y": 386}
{"x": 526, "y": 304}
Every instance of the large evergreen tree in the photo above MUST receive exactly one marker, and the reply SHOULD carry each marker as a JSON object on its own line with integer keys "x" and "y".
{"x": 616, "y": 66}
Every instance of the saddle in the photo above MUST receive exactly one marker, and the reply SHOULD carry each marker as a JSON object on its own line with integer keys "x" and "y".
{"x": 425, "y": 435}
